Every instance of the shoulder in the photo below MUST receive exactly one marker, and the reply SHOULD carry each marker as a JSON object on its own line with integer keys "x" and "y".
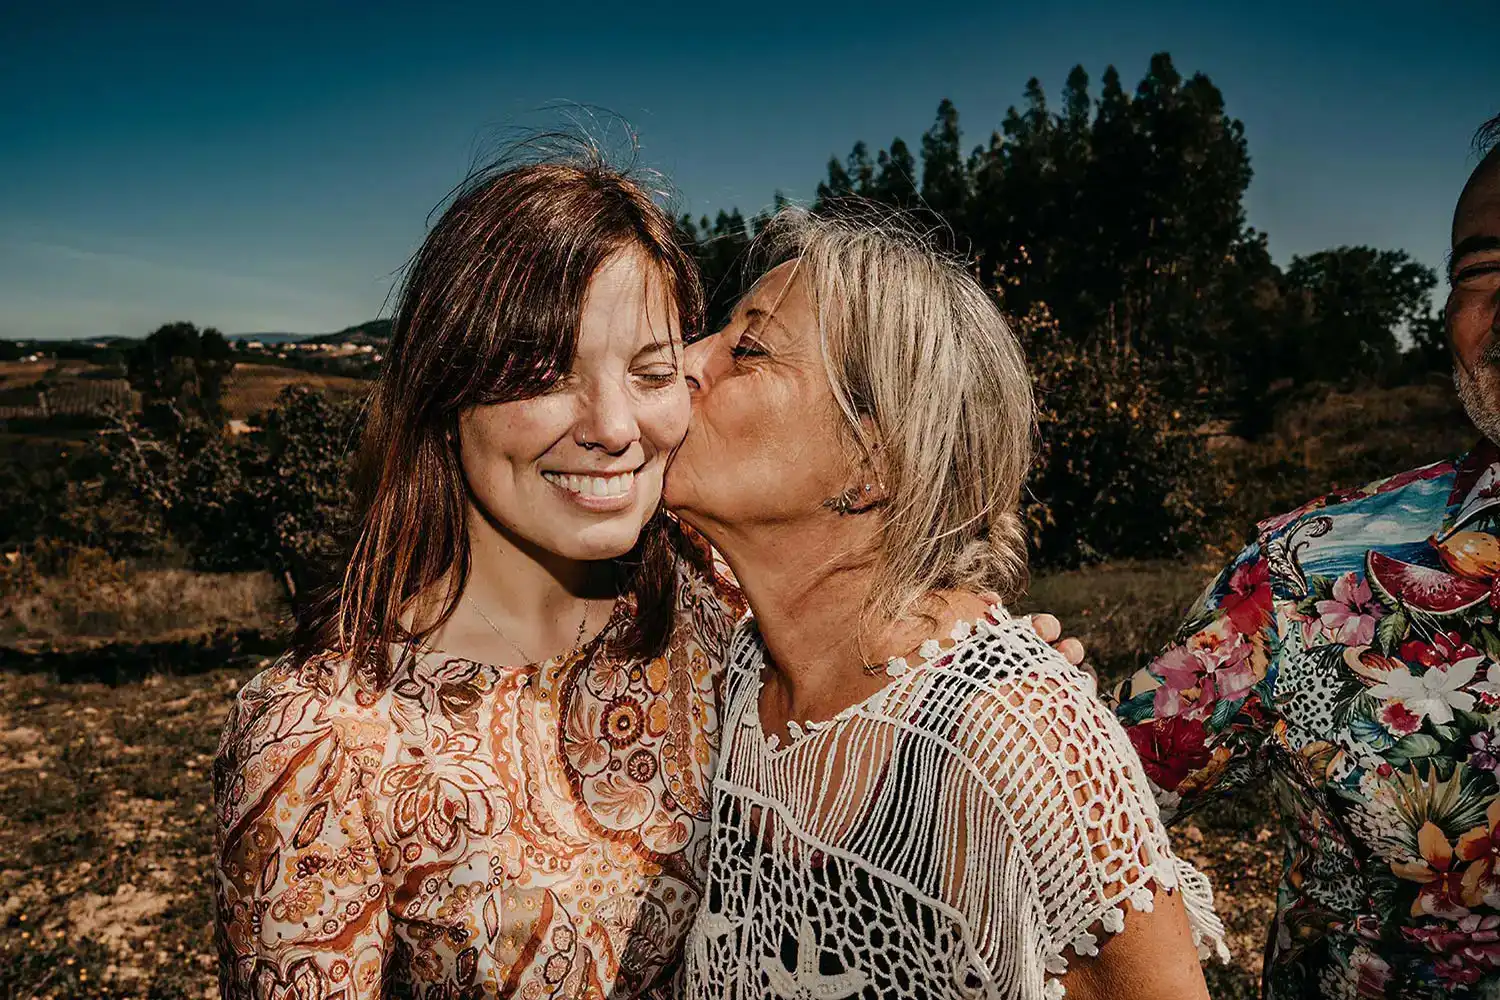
{"x": 1001, "y": 689}
{"x": 1426, "y": 487}
{"x": 1007, "y": 655}
{"x": 1039, "y": 760}
{"x": 292, "y": 714}
{"x": 294, "y": 692}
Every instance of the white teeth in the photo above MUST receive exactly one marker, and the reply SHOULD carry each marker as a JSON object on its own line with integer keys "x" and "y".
{"x": 593, "y": 486}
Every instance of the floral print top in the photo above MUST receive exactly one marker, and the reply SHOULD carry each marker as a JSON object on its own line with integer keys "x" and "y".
{"x": 472, "y": 830}
{"x": 1349, "y": 656}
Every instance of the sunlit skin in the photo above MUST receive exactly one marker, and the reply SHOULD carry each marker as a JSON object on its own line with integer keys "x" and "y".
{"x": 766, "y": 446}
{"x": 541, "y": 535}
{"x": 764, "y": 421}
{"x": 1473, "y": 309}
{"x": 761, "y": 440}
{"x": 539, "y": 548}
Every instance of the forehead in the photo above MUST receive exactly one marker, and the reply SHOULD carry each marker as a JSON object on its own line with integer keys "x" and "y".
{"x": 1478, "y": 211}
{"x": 781, "y": 290}
{"x": 631, "y": 294}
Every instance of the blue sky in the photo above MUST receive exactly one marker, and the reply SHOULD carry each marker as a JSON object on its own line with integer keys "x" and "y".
{"x": 269, "y": 167}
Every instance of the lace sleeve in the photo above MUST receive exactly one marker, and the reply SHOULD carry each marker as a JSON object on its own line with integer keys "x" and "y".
{"x": 300, "y": 898}
{"x": 1056, "y": 805}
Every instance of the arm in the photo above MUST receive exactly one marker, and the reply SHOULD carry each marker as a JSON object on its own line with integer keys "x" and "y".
{"x": 1154, "y": 956}
{"x": 1199, "y": 712}
{"x": 1066, "y": 829}
{"x": 300, "y": 898}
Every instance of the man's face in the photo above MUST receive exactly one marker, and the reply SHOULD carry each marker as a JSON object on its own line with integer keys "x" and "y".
{"x": 1473, "y": 309}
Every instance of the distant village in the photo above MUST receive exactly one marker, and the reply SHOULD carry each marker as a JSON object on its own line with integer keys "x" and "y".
{"x": 293, "y": 349}
{"x": 54, "y": 384}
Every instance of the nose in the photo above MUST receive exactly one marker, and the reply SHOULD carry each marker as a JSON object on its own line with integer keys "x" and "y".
{"x": 699, "y": 362}
{"x": 608, "y": 420}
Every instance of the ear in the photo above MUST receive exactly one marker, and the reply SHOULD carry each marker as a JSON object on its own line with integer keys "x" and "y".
{"x": 873, "y": 468}
{"x": 869, "y": 490}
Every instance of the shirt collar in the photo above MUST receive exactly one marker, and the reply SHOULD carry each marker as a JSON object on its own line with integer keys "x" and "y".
{"x": 1476, "y": 486}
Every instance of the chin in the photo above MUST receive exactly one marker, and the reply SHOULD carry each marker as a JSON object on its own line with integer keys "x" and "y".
{"x": 677, "y": 492}
{"x": 1480, "y": 395}
{"x": 605, "y": 541}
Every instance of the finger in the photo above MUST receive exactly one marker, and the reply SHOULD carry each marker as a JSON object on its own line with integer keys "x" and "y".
{"x": 1047, "y": 626}
{"x": 1071, "y": 649}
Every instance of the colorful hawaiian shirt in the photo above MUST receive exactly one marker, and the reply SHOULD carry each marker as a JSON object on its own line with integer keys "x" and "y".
{"x": 1349, "y": 656}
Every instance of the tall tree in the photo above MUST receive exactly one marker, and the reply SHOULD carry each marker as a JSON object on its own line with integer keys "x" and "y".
{"x": 1359, "y": 300}
{"x": 861, "y": 170}
{"x": 895, "y": 176}
{"x": 720, "y": 247}
{"x": 945, "y": 178}
{"x": 179, "y": 366}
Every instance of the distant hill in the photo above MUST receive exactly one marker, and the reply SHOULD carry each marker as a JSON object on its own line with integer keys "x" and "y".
{"x": 376, "y": 332}
{"x": 271, "y": 338}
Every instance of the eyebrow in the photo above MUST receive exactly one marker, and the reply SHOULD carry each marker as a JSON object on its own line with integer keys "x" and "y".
{"x": 1471, "y": 244}
{"x": 656, "y": 347}
{"x": 767, "y": 315}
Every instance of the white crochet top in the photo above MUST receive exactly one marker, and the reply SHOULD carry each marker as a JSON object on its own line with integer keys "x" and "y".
{"x": 963, "y": 832}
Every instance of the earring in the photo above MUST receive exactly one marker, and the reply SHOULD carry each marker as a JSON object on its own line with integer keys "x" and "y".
{"x": 846, "y": 502}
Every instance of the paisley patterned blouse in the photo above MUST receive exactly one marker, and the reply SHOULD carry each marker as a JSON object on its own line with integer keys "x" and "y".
{"x": 472, "y": 830}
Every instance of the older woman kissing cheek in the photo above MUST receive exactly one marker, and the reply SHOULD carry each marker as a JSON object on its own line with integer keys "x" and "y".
{"x": 916, "y": 797}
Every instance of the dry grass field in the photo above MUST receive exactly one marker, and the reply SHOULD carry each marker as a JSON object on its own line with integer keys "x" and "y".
{"x": 114, "y": 682}
{"x": 20, "y": 374}
{"x": 252, "y": 388}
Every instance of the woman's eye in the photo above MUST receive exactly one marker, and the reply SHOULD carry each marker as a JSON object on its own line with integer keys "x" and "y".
{"x": 563, "y": 384}
{"x": 747, "y": 349}
{"x": 658, "y": 376}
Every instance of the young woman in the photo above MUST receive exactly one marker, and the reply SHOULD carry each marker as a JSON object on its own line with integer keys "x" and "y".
{"x": 483, "y": 770}
{"x": 917, "y": 797}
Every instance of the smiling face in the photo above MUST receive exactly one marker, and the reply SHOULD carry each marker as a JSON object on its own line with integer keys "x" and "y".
{"x": 577, "y": 471}
{"x": 767, "y": 442}
{"x": 1473, "y": 310}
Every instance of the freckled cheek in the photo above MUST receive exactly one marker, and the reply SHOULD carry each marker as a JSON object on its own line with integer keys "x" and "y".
{"x": 664, "y": 421}
{"x": 516, "y": 433}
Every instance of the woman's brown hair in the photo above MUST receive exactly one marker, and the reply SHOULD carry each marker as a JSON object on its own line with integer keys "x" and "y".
{"x": 488, "y": 312}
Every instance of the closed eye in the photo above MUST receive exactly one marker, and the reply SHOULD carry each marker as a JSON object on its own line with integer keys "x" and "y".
{"x": 1477, "y": 270}
{"x": 563, "y": 384}
{"x": 658, "y": 376}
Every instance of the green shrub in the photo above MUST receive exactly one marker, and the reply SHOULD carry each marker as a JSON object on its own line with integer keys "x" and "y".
{"x": 1121, "y": 471}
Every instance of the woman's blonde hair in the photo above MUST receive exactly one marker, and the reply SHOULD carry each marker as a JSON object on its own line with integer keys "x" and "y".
{"x": 936, "y": 391}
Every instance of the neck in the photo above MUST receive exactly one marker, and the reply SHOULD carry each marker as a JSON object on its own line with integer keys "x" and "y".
{"x": 533, "y": 598}
{"x": 809, "y": 584}
{"x": 524, "y": 582}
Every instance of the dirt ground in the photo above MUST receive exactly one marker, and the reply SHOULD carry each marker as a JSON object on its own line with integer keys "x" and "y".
{"x": 106, "y": 825}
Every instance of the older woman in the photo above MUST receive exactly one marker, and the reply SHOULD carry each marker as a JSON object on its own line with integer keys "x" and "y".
{"x": 916, "y": 797}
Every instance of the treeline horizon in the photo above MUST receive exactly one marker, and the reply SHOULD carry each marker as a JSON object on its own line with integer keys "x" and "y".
{"x": 1119, "y": 216}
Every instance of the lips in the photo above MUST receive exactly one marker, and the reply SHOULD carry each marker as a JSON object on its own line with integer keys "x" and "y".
{"x": 592, "y": 486}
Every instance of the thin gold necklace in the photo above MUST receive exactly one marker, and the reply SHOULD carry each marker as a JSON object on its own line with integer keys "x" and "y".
{"x": 577, "y": 641}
